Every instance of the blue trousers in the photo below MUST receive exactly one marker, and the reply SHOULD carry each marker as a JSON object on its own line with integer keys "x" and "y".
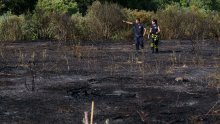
{"x": 139, "y": 42}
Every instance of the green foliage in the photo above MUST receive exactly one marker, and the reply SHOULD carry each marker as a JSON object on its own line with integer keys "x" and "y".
{"x": 59, "y": 20}
{"x": 17, "y": 6}
{"x": 216, "y": 5}
{"x": 64, "y": 27}
{"x": 2, "y": 5}
{"x": 206, "y": 4}
{"x": 55, "y": 26}
{"x": 145, "y": 16}
{"x": 72, "y": 6}
{"x": 186, "y": 23}
{"x": 11, "y": 27}
{"x": 214, "y": 25}
{"x": 148, "y": 5}
{"x": 41, "y": 24}
{"x": 104, "y": 20}
{"x": 169, "y": 21}
{"x": 30, "y": 28}
{"x": 184, "y": 3}
{"x": 58, "y": 6}
{"x": 51, "y": 19}
{"x": 154, "y": 5}
{"x": 81, "y": 31}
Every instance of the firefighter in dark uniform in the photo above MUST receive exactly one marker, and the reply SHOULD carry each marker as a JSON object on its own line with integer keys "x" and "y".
{"x": 139, "y": 32}
{"x": 154, "y": 35}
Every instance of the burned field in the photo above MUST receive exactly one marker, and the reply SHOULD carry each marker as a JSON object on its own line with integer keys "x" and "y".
{"x": 48, "y": 82}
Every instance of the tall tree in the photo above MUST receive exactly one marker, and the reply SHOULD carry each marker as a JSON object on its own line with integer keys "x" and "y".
{"x": 152, "y": 5}
{"x": 60, "y": 6}
{"x": 18, "y": 6}
{"x": 206, "y": 4}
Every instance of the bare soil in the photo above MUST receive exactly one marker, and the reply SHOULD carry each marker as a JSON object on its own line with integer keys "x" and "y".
{"x": 44, "y": 82}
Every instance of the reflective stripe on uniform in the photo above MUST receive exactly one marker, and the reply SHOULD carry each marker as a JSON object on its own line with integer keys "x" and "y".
{"x": 154, "y": 36}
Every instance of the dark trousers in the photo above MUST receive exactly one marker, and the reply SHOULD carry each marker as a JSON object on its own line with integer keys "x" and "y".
{"x": 139, "y": 42}
{"x": 154, "y": 43}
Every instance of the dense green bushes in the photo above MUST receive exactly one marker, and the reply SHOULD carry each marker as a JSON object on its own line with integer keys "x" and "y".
{"x": 24, "y": 6}
{"x": 188, "y": 23}
{"x": 61, "y": 21}
{"x": 11, "y": 27}
{"x": 104, "y": 20}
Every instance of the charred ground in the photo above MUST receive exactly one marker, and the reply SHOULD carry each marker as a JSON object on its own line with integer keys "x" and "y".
{"x": 50, "y": 82}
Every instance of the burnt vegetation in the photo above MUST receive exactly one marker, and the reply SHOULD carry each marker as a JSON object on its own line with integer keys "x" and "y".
{"x": 58, "y": 57}
{"x": 149, "y": 88}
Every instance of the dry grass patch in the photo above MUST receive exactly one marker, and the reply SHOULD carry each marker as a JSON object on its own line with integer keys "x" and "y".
{"x": 215, "y": 80}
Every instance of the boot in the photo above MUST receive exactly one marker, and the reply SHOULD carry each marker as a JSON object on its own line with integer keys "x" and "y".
{"x": 152, "y": 49}
{"x": 157, "y": 50}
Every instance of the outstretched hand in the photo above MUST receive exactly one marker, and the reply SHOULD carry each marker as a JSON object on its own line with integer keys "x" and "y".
{"x": 130, "y": 23}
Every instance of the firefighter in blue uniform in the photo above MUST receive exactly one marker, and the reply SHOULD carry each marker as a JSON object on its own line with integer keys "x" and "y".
{"x": 139, "y": 32}
{"x": 154, "y": 35}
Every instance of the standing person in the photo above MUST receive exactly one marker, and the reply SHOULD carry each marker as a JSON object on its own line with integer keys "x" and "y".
{"x": 154, "y": 35}
{"x": 139, "y": 32}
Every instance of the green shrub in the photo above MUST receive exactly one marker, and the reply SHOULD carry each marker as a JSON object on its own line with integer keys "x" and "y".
{"x": 104, "y": 20}
{"x": 185, "y": 23}
{"x": 29, "y": 28}
{"x": 41, "y": 23}
{"x": 52, "y": 19}
{"x": 56, "y": 26}
{"x": 203, "y": 4}
{"x": 57, "y": 6}
{"x": 81, "y": 31}
{"x": 194, "y": 23}
{"x": 58, "y": 20}
{"x": 145, "y": 16}
{"x": 169, "y": 21}
{"x": 59, "y": 25}
{"x": 214, "y": 25}
{"x": 11, "y": 27}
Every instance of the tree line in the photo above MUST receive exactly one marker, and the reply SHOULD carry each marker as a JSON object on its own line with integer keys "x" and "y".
{"x": 79, "y": 20}
{"x": 24, "y": 6}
